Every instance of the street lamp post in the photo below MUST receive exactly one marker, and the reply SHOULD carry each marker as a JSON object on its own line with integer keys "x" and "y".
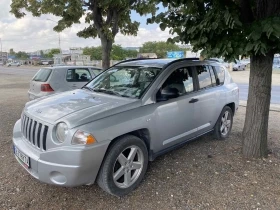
{"x": 58, "y": 41}
{"x": 1, "y": 50}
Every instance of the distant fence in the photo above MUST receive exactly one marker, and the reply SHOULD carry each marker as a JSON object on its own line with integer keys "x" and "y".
{"x": 97, "y": 63}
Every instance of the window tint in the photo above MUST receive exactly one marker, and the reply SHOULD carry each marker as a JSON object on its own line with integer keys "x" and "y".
{"x": 213, "y": 77}
{"x": 96, "y": 71}
{"x": 204, "y": 77}
{"x": 42, "y": 75}
{"x": 78, "y": 75}
{"x": 125, "y": 81}
{"x": 220, "y": 71}
{"x": 181, "y": 79}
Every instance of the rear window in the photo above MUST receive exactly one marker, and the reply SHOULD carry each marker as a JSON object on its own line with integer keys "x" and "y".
{"x": 42, "y": 75}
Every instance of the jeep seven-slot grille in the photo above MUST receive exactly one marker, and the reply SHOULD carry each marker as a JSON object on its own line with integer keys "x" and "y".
{"x": 34, "y": 131}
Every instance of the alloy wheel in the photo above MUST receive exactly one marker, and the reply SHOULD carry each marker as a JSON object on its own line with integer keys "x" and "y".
{"x": 128, "y": 166}
{"x": 225, "y": 123}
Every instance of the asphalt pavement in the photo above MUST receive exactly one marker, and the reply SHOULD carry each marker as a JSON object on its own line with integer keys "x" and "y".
{"x": 275, "y": 93}
{"x": 21, "y": 70}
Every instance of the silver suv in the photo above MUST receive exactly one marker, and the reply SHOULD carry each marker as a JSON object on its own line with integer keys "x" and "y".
{"x": 50, "y": 80}
{"x": 128, "y": 115}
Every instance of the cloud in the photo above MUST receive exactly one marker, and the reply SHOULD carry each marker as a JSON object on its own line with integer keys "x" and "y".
{"x": 33, "y": 33}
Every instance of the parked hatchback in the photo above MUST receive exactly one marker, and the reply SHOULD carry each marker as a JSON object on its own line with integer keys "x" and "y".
{"x": 52, "y": 80}
{"x": 13, "y": 64}
{"x": 126, "y": 116}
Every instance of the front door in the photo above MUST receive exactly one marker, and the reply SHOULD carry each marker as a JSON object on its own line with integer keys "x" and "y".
{"x": 175, "y": 117}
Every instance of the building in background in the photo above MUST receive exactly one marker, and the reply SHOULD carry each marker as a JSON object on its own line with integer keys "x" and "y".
{"x": 3, "y": 57}
{"x": 73, "y": 56}
{"x": 147, "y": 55}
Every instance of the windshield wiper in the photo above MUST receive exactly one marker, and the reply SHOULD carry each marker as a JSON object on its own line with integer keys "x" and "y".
{"x": 107, "y": 91}
{"x": 88, "y": 88}
{"x": 110, "y": 92}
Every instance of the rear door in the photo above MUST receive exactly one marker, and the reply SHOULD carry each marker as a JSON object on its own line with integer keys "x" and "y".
{"x": 77, "y": 77}
{"x": 41, "y": 77}
{"x": 207, "y": 99}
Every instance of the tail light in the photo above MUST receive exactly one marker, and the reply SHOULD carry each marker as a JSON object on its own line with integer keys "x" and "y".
{"x": 46, "y": 88}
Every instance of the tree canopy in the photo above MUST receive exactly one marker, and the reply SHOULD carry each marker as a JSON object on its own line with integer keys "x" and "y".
{"x": 225, "y": 28}
{"x": 233, "y": 28}
{"x": 52, "y": 52}
{"x": 105, "y": 18}
{"x": 160, "y": 48}
{"x": 118, "y": 53}
{"x": 21, "y": 55}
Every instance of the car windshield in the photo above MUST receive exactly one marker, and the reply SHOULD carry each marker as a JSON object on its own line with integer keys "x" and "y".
{"x": 124, "y": 81}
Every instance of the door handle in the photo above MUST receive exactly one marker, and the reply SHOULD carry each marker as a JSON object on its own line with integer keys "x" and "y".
{"x": 193, "y": 100}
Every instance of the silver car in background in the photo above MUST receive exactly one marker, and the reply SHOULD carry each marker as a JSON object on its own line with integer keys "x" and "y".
{"x": 50, "y": 80}
{"x": 126, "y": 116}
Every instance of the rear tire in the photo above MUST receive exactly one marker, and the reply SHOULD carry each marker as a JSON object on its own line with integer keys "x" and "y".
{"x": 224, "y": 124}
{"x": 124, "y": 166}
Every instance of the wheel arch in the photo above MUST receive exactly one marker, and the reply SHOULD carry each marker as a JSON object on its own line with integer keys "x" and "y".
{"x": 232, "y": 106}
{"x": 143, "y": 134}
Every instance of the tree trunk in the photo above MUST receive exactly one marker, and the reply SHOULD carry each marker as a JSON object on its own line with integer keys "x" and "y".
{"x": 106, "y": 52}
{"x": 254, "y": 134}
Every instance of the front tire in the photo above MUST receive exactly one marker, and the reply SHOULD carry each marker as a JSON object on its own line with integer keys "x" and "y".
{"x": 124, "y": 166}
{"x": 224, "y": 124}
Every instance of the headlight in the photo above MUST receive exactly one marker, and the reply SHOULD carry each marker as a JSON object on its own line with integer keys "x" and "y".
{"x": 61, "y": 132}
{"x": 81, "y": 137}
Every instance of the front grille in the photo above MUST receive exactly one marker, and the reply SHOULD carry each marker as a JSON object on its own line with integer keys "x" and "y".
{"x": 34, "y": 131}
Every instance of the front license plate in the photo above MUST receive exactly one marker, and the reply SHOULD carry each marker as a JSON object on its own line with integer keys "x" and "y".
{"x": 22, "y": 157}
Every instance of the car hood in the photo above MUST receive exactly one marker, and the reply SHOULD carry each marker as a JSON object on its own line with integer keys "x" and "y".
{"x": 78, "y": 107}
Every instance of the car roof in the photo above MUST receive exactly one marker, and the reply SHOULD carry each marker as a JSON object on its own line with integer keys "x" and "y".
{"x": 159, "y": 63}
{"x": 62, "y": 67}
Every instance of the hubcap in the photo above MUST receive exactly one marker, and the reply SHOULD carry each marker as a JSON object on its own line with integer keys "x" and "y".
{"x": 225, "y": 123}
{"x": 128, "y": 166}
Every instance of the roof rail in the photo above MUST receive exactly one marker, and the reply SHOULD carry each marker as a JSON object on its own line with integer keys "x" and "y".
{"x": 176, "y": 60}
{"x": 181, "y": 59}
{"x": 133, "y": 59}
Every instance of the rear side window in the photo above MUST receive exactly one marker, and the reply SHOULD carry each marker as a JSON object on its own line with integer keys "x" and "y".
{"x": 42, "y": 75}
{"x": 204, "y": 77}
{"x": 78, "y": 75}
{"x": 213, "y": 77}
{"x": 220, "y": 74}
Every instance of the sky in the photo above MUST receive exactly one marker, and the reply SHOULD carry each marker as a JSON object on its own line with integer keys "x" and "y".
{"x": 36, "y": 33}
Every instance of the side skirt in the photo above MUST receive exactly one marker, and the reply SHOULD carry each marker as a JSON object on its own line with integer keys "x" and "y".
{"x": 153, "y": 156}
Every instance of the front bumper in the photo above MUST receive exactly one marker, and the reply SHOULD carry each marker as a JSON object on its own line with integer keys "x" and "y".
{"x": 66, "y": 166}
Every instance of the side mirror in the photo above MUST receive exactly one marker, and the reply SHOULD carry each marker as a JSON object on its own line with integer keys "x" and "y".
{"x": 168, "y": 93}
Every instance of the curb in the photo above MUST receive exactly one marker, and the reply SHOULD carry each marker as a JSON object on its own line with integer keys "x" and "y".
{"x": 273, "y": 107}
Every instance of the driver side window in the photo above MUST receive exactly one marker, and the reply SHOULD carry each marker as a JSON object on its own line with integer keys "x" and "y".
{"x": 181, "y": 79}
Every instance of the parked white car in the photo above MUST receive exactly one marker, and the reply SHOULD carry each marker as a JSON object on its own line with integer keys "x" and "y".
{"x": 57, "y": 79}
{"x": 219, "y": 60}
{"x": 13, "y": 64}
{"x": 238, "y": 66}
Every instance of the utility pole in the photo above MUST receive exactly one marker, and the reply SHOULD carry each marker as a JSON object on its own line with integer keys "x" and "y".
{"x": 1, "y": 51}
{"x": 60, "y": 57}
